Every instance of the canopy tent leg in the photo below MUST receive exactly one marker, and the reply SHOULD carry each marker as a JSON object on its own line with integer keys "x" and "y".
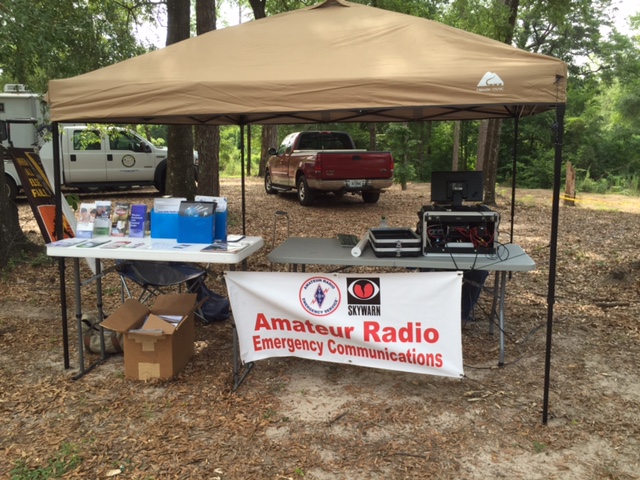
{"x": 57, "y": 180}
{"x": 555, "y": 215}
{"x": 516, "y": 134}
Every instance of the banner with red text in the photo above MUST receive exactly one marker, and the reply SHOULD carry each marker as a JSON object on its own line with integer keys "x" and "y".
{"x": 408, "y": 322}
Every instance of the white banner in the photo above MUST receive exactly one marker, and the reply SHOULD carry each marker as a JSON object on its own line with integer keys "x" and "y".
{"x": 396, "y": 321}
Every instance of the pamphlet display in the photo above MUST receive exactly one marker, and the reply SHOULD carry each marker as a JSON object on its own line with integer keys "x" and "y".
{"x": 102, "y": 223}
{"x": 120, "y": 220}
{"x": 137, "y": 221}
{"x": 164, "y": 217}
{"x": 86, "y": 218}
{"x": 220, "y": 228}
{"x": 196, "y": 222}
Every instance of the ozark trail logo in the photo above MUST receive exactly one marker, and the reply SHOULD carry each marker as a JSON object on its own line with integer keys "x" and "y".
{"x": 363, "y": 296}
{"x": 320, "y": 296}
{"x": 490, "y": 82}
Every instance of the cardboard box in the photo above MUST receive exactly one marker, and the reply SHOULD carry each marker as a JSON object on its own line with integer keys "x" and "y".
{"x": 153, "y": 346}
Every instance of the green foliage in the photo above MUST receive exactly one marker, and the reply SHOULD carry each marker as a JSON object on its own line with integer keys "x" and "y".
{"x": 398, "y": 138}
{"x": 66, "y": 460}
{"x": 73, "y": 199}
{"x": 40, "y": 41}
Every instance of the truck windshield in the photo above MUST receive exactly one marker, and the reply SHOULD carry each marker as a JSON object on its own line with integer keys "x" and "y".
{"x": 325, "y": 141}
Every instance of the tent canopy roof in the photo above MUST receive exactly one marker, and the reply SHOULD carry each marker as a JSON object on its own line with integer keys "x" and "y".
{"x": 333, "y": 62}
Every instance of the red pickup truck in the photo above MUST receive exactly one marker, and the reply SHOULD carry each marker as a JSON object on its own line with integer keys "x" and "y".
{"x": 321, "y": 162}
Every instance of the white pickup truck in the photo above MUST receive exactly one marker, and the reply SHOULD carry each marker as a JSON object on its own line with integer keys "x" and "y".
{"x": 92, "y": 160}
{"x": 89, "y": 159}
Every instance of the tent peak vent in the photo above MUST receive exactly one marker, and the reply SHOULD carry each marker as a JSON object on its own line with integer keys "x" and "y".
{"x": 332, "y": 3}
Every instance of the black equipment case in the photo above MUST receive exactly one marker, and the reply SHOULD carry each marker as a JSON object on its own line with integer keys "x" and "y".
{"x": 394, "y": 242}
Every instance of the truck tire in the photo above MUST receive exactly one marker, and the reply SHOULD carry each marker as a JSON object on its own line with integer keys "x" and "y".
{"x": 305, "y": 195}
{"x": 268, "y": 186}
{"x": 12, "y": 188}
{"x": 370, "y": 197}
{"x": 160, "y": 177}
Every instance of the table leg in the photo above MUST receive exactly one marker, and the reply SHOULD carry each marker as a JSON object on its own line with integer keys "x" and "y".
{"x": 78, "y": 300}
{"x": 237, "y": 377}
{"x": 503, "y": 286}
{"x": 103, "y": 354}
{"x": 494, "y": 305}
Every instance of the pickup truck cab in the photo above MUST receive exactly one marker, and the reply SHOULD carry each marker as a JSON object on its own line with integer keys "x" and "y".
{"x": 317, "y": 162}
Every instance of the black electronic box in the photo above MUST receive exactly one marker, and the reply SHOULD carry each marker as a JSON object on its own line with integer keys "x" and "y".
{"x": 458, "y": 229}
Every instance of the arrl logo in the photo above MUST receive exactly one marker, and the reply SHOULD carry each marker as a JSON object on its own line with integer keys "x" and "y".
{"x": 363, "y": 297}
{"x": 320, "y": 296}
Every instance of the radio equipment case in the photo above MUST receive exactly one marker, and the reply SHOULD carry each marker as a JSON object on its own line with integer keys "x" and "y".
{"x": 459, "y": 229}
{"x": 394, "y": 242}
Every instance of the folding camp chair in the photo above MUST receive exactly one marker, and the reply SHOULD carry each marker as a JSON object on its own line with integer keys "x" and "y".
{"x": 156, "y": 278}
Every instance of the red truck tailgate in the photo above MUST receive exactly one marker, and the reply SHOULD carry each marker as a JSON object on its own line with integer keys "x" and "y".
{"x": 354, "y": 165}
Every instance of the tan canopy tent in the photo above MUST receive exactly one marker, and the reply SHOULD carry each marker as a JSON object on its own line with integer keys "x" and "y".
{"x": 333, "y": 62}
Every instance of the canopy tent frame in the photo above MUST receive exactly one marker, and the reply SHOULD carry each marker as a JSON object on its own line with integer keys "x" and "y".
{"x": 369, "y": 65}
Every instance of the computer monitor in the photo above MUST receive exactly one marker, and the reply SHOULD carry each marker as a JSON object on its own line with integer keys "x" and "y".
{"x": 456, "y": 187}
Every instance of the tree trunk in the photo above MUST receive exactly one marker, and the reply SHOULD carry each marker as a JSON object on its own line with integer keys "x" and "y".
{"x": 207, "y": 137}
{"x": 180, "y": 174}
{"x": 372, "y": 137}
{"x": 455, "y": 161}
{"x": 489, "y": 134}
{"x": 570, "y": 187}
{"x": 488, "y": 157}
{"x": 269, "y": 132}
{"x": 269, "y": 139}
{"x": 11, "y": 236}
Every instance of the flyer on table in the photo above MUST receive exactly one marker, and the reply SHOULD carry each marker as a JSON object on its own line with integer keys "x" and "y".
{"x": 395, "y": 321}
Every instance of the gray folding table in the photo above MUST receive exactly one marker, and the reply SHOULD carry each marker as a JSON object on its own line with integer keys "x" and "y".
{"x": 328, "y": 251}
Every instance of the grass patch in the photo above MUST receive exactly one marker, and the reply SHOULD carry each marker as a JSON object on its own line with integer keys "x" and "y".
{"x": 66, "y": 460}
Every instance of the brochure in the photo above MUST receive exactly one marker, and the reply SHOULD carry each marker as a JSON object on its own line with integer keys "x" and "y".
{"x": 93, "y": 243}
{"x": 120, "y": 219}
{"x": 225, "y": 247}
{"x": 86, "y": 218}
{"x": 136, "y": 245}
{"x": 68, "y": 242}
{"x": 137, "y": 222}
{"x": 117, "y": 244}
{"x": 102, "y": 223}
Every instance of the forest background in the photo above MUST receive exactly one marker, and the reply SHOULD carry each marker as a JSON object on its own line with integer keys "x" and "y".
{"x": 62, "y": 38}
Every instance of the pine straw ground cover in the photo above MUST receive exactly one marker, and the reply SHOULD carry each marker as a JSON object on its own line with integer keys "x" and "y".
{"x": 293, "y": 418}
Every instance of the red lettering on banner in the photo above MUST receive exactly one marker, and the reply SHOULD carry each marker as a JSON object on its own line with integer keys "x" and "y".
{"x": 299, "y": 326}
{"x": 411, "y": 333}
{"x": 262, "y": 322}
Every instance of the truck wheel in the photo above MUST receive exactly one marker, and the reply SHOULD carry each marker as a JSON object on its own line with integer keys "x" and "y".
{"x": 370, "y": 197}
{"x": 12, "y": 188}
{"x": 268, "y": 186}
{"x": 160, "y": 178}
{"x": 305, "y": 195}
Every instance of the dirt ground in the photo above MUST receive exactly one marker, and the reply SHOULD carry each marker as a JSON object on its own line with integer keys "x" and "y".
{"x": 293, "y": 418}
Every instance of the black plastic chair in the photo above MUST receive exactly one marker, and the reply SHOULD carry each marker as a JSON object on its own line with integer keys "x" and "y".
{"x": 157, "y": 278}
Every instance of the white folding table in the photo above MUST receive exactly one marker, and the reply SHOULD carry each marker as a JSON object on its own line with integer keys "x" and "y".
{"x": 149, "y": 249}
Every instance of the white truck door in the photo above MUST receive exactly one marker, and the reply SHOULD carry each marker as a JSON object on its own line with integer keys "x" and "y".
{"x": 85, "y": 158}
{"x": 127, "y": 158}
